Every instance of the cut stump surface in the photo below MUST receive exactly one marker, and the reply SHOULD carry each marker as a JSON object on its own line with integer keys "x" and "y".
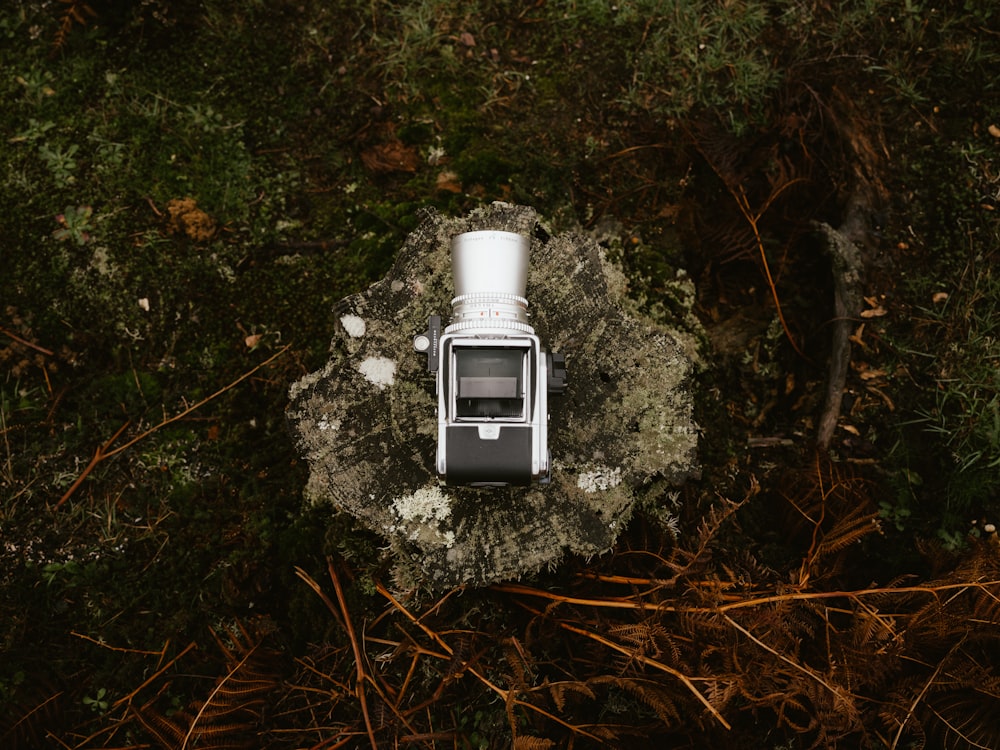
{"x": 366, "y": 421}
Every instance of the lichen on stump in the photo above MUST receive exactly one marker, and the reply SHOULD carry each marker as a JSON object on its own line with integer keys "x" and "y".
{"x": 366, "y": 421}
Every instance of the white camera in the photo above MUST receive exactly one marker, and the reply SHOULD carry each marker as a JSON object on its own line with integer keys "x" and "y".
{"x": 493, "y": 377}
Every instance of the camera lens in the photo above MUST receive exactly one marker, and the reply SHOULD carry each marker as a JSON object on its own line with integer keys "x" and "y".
{"x": 491, "y": 271}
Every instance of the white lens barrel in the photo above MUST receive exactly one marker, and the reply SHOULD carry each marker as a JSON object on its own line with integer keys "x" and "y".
{"x": 490, "y": 270}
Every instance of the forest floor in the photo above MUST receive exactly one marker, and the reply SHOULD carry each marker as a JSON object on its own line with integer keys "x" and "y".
{"x": 190, "y": 186}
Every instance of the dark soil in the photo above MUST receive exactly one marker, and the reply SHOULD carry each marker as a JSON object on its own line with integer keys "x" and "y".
{"x": 191, "y": 187}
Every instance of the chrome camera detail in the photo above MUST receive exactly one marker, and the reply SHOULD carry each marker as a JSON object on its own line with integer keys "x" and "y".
{"x": 492, "y": 376}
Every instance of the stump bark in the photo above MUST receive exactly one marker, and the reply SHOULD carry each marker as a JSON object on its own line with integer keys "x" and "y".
{"x": 366, "y": 421}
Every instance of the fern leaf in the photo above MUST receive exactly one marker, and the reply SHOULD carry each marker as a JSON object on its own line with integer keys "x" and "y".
{"x": 165, "y": 731}
{"x": 965, "y": 719}
{"x": 76, "y": 12}
{"x": 527, "y": 742}
{"x": 558, "y": 692}
{"x": 655, "y": 695}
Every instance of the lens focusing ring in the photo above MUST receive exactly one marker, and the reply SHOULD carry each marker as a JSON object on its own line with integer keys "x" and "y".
{"x": 477, "y": 298}
{"x": 483, "y": 311}
{"x": 504, "y": 325}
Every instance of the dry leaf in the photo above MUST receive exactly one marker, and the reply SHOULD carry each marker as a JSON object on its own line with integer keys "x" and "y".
{"x": 885, "y": 398}
{"x": 857, "y": 337}
{"x": 872, "y": 374}
{"x": 994, "y": 131}
{"x": 449, "y": 181}
{"x": 393, "y": 156}
{"x": 876, "y": 312}
{"x": 252, "y": 340}
{"x": 940, "y": 297}
{"x": 187, "y": 219}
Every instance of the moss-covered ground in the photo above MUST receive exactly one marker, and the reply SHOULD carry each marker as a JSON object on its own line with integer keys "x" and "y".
{"x": 187, "y": 189}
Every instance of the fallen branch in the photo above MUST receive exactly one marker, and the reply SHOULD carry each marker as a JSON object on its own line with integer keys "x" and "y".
{"x": 357, "y": 648}
{"x": 753, "y": 220}
{"x": 740, "y": 601}
{"x": 359, "y": 663}
{"x": 11, "y": 335}
{"x": 103, "y": 451}
{"x": 845, "y": 260}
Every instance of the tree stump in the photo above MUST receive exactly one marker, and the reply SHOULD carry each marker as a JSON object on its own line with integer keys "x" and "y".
{"x": 366, "y": 422}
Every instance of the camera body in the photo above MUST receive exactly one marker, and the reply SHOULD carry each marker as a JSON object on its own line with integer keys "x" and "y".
{"x": 493, "y": 377}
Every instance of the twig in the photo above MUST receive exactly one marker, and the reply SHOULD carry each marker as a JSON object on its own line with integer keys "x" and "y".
{"x": 793, "y": 664}
{"x": 736, "y": 601}
{"x": 651, "y": 663}
{"x": 753, "y": 219}
{"x": 12, "y": 732}
{"x": 321, "y": 594}
{"x": 103, "y": 452}
{"x": 343, "y": 618}
{"x": 506, "y": 695}
{"x": 116, "y": 648}
{"x": 211, "y": 696}
{"x": 356, "y": 648}
{"x": 99, "y": 455}
{"x": 922, "y": 693}
{"x": 155, "y": 675}
{"x": 18, "y": 339}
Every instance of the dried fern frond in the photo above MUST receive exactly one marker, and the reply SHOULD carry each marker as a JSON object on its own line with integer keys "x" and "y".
{"x": 169, "y": 732}
{"x": 649, "y": 638}
{"x": 964, "y": 719}
{"x": 26, "y": 724}
{"x": 558, "y": 691}
{"x": 526, "y": 742}
{"x": 847, "y": 529}
{"x": 75, "y": 13}
{"x": 231, "y": 713}
{"x": 658, "y": 696}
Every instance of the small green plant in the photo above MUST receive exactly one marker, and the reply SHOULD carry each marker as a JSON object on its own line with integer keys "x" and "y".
{"x": 99, "y": 703}
{"x": 896, "y": 513}
{"x": 35, "y": 130}
{"x": 54, "y": 571}
{"x": 37, "y": 85}
{"x": 61, "y": 162}
{"x": 471, "y": 728}
{"x": 75, "y": 225}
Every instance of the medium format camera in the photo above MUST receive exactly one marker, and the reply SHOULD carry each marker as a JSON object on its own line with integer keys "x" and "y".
{"x": 493, "y": 377}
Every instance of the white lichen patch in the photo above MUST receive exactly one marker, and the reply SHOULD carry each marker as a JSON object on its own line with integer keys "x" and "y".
{"x": 101, "y": 262}
{"x": 305, "y": 384}
{"x": 379, "y": 371}
{"x": 421, "y": 515}
{"x": 424, "y": 505}
{"x": 354, "y": 325}
{"x": 601, "y": 478}
{"x": 325, "y": 424}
